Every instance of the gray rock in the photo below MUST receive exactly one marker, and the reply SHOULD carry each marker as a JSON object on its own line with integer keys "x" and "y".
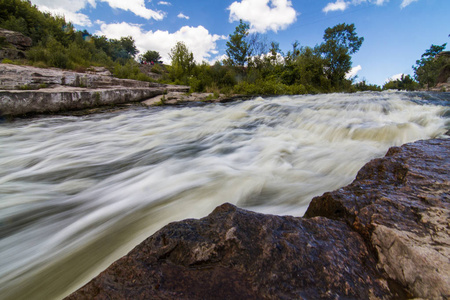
{"x": 30, "y": 90}
{"x": 17, "y": 39}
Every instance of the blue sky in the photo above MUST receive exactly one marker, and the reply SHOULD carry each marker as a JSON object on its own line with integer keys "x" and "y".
{"x": 396, "y": 32}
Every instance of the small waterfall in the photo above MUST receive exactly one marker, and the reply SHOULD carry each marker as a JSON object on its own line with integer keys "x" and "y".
{"x": 76, "y": 193}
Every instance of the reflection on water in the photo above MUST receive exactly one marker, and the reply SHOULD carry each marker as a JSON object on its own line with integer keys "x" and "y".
{"x": 78, "y": 192}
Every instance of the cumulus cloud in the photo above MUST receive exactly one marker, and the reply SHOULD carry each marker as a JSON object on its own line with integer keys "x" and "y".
{"x": 343, "y": 5}
{"x": 164, "y": 3}
{"x": 338, "y": 5}
{"x": 137, "y": 7}
{"x": 183, "y": 16}
{"x": 264, "y": 15}
{"x": 352, "y": 73}
{"x": 71, "y": 9}
{"x": 198, "y": 39}
{"x": 67, "y": 8}
{"x": 395, "y": 77}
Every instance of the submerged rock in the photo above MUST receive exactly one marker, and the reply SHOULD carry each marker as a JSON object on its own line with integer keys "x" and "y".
{"x": 385, "y": 236}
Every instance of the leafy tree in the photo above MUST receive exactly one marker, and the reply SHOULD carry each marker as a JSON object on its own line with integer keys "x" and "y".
{"x": 340, "y": 42}
{"x": 182, "y": 62}
{"x": 274, "y": 51}
{"x": 306, "y": 69}
{"x": 127, "y": 44}
{"x": 363, "y": 86}
{"x": 427, "y": 68}
{"x": 151, "y": 56}
{"x": 257, "y": 44}
{"x": 238, "y": 48}
{"x": 404, "y": 83}
{"x": 292, "y": 55}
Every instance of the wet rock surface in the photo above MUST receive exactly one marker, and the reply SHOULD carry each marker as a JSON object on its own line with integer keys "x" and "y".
{"x": 400, "y": 205}
{"x": 385, "y": 236}
{"x": 237, "y": 254}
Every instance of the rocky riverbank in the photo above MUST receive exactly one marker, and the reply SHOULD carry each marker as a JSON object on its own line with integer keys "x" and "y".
{"x": 26, "y": 90}
{"x": 384, "y": 236}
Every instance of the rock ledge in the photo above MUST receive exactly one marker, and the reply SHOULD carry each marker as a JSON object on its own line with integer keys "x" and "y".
{"x": 29, "y": 90}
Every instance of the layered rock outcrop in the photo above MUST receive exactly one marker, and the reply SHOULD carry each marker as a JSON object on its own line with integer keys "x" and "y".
{"x": 29, "y": 90}
{"x": 385, "y": 236}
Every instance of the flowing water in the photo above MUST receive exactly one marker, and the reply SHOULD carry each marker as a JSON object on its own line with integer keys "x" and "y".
{"x": 76, "y": 193}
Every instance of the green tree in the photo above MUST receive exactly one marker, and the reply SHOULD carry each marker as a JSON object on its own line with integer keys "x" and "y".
{"x": 341, "y": 41}
{"x": 427, "y": 68}
{"x": 238, "y": 49}
{"x": 128, "y": 45}
{"x": 306, "y": 69}
{"x": 363, "y": 86}
{"x": 404, "y": 83}
{"x": 151, "y": 56}
{"x": 182, "y": 62}
{"x": 274, "y": 51}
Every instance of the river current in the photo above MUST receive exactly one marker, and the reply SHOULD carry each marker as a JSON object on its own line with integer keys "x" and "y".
{"x": 76, "y": 193}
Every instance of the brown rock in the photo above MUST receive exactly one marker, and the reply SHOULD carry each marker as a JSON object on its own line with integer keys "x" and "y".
{"x": 237, "y": 254}
{"x": 385, "y": 236}
{"x": 400, "y": 204}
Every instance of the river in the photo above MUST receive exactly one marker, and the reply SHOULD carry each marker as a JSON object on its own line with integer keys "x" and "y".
{"x": 76, "y": 193}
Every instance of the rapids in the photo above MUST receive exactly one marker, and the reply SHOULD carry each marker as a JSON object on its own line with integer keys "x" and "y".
{"x": 76, "y": 193}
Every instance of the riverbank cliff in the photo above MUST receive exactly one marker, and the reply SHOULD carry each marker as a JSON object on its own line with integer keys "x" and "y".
{"x": 384, "y": 236}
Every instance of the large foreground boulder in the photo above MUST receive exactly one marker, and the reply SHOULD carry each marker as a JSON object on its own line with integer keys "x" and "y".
{"x": 385, "y": 236}
{"x": 400, "y": 205}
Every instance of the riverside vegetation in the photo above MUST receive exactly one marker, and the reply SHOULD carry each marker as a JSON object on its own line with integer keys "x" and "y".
{"x": 253, "y": 67}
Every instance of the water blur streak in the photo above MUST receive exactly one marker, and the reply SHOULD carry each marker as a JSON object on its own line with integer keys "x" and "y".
{"x": 76, "y": 193}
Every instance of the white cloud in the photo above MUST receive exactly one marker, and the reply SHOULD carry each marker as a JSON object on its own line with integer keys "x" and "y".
{"x": 137, "y": 7}
{"x": 67, "y": 8}
{"x": 183, "y": 16}
{"x": 338, "y": 5}
{"x": 405, "y": 3}
{"x": 164, "y": 3}
{"x": 198, "y": 39}
{"x": 264, "y": 15}
{"x": 395, "y": 77}
{"x": 218, "y": 58}
{"x": 343, "y": 5}
{"x": 70, "y": 9}
{"x": 352, "y": 73}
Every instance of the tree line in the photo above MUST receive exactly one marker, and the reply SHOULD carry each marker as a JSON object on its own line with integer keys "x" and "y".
{"x": 253, "y": 65}
{"x": 256, "y": 67}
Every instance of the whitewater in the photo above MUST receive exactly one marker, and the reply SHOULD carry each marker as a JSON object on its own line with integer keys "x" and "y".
{"x": 76, "y": 193}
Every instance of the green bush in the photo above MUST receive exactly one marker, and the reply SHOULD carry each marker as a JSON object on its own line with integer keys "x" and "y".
{"x": 38, "y": 54}
{"x": 59, "y": 60}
